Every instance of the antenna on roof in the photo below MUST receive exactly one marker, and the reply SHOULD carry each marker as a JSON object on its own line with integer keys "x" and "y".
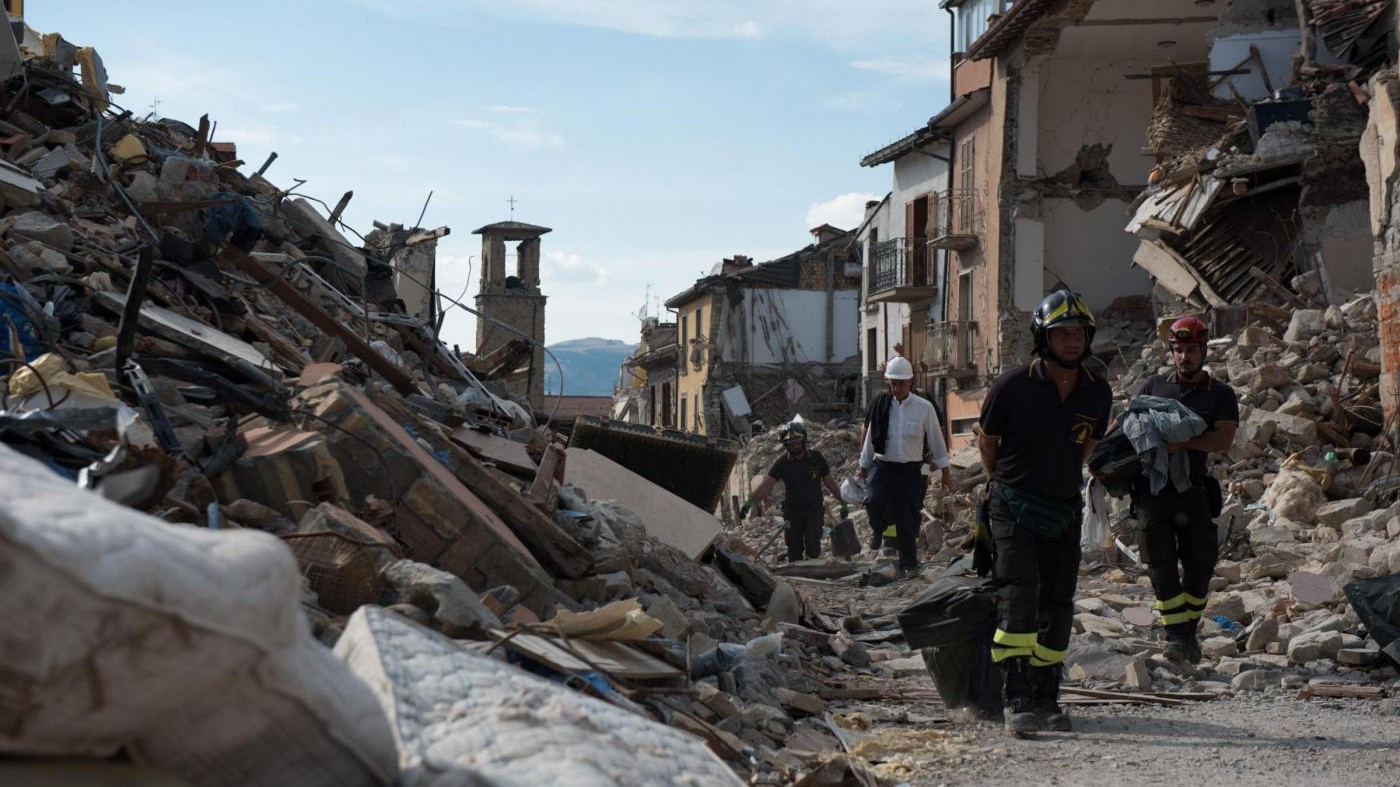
{"x": 644, "y": 312}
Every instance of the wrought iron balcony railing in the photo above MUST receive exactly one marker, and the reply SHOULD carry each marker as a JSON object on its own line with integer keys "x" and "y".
{"x": 900, "y": 262}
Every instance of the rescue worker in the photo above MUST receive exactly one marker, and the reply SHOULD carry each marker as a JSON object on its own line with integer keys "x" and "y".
{"x": 1038, "y": 424}
{"x": 903, "y": 436}
{"x": 803, "y": 472}
{"x": 1180, "y": 526}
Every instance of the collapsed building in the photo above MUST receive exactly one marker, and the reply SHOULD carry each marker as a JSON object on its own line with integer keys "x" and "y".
{"x": 764, "y": 342}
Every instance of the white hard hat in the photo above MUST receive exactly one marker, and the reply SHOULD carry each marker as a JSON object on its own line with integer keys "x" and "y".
{"x": 899, "y": 369}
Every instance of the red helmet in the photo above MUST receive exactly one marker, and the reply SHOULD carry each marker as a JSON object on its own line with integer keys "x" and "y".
{"x": 1188, "y": 330}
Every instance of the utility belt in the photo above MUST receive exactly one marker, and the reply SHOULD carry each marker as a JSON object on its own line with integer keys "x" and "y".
{"x": 1043, "y": 515}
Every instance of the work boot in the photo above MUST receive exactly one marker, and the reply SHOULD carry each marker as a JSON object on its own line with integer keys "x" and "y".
{"x": 1193, "y": 644}
{"x": 1046, "y": 684}
{"x": 1016, "y": 694}
{"x": 1181, "y": 643}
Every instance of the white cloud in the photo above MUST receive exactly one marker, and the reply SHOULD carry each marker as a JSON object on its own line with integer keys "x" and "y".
{"x": 845, "y": 211}
{"x": 909, "y": 68}
{"x": 260, "y": 135}
{"x": 560, "y": 266}
{"x": 893, "y": 25}
{"x": 516, "y": 127}
{"x": 863, "y": 103}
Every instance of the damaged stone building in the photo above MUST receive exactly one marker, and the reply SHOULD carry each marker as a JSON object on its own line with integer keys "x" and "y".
{"x": 1071, "y": 119}
{"x": 647, "y": 382}
{"x": 771, "y": 340}
{"x": 904, "y": 239}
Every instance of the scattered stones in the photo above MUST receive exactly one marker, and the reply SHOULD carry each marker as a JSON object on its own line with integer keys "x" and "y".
{"x": 1314, "y": 645}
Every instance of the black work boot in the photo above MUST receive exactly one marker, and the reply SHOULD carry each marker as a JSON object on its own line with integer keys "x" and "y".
{"x": 1016, "y": 694}
{"x": 1181, "y": 643}
{"x": 1193, "y": 643}
{"x": 1045, "y": 682}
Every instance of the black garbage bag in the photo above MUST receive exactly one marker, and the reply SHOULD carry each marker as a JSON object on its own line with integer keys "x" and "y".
{"x": 965, "y": 675}
{"x": 1116, "y": 463}
{"x": 953, "y": 610}
{"x": 1377, "y": 603}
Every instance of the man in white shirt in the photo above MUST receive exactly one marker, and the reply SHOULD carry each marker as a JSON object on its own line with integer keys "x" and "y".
{"x": 902, "y": 434}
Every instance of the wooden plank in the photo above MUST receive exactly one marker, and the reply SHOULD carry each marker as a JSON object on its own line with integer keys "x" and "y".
{"x": 401, "y": 380}
{"x": 1122, "y": 696}
{"x": 1343, "y": 691}
{"x": 192, "y": 334}
{"x": 666, "y": 516}
{"x": 615, "y": 658}
{"x": 544, "y": 491}
{"x": 1273, "y": 286}
{"x": 504, "y": 453}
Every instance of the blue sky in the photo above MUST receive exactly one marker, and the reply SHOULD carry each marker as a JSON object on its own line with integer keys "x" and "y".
{"x": 655, "y": 137}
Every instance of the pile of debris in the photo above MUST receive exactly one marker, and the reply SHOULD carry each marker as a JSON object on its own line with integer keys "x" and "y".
{"x": 219, "y": 424}
{"x": 1312, "y": 485}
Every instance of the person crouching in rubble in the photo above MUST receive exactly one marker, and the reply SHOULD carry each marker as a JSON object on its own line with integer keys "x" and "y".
{"x": 803, "y": 472}
{"x": 1039, "y": 421}
{"x": 903, "y": 430}
{"x": 1180, "y": 525}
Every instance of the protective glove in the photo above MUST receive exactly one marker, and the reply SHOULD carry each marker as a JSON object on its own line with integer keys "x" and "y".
{"x": 845, "y": 510}
{"x": 744, "y": 509}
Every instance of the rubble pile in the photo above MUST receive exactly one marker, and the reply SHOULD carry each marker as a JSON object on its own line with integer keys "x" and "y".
{"x": 1311, "y": 506}
{"x": 210, "y": 354}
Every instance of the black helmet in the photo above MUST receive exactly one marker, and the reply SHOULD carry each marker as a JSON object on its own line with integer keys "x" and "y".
{"x": 1060, "y": 308}
{"x": 794, "y": 431}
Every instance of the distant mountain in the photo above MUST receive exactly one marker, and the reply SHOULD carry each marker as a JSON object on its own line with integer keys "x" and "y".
{"x": 590, "y": 366}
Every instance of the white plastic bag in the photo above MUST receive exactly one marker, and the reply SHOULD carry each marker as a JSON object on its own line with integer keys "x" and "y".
{"x": 1096, "y": 533}
{"x": 855, "y": 490}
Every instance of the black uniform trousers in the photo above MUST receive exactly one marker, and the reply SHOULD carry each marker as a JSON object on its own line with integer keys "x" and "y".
{"x": 1035, "y": 578}
{"x": 899, "y": 488}
{"x": 1179, "y": 538}
{"x": 803, "y": 532}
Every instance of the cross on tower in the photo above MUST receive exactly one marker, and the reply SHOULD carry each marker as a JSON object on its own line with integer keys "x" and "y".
{"x": 511, "y": 202}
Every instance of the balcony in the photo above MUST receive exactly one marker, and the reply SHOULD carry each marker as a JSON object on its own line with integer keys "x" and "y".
{"x": 956, "y": 223}
{"x": 901, "y": 271}
{"x": 951, "y": 350}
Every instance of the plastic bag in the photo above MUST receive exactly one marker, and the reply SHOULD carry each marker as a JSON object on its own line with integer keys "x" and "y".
{"x": 951, "y": 611}
{"x": 1377, "y": 603}
{"x": 1096, "y": 533}
{"x": 965, "y": 675}
{"x": 855, "y": 490}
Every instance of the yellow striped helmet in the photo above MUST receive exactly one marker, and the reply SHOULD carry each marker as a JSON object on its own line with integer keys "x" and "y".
{"x": 1061, "y": 308}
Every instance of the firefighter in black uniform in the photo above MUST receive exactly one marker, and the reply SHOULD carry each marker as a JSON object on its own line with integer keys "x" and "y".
{"x": 1180, "y": 526}
{"x": 1039, "y": 422}
{"x": 803, "y": 472}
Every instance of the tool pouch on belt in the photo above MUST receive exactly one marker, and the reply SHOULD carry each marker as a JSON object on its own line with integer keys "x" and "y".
{"x": 1045, "y": 516}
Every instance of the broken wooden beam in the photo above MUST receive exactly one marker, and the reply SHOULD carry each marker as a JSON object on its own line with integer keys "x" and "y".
{"x": 401, "y": 380}
{"x": 1123, "y": 696}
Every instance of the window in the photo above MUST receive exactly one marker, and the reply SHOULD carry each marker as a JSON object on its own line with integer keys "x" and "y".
{"x": 967, "y": 182}
{"x": 685, "y": 346}
{"x": 651, "y": 407}
{"x": 683, "y": 410}
{"x": 700, "y": 324}
{"x": 872, "y": 350}
{"x": 666, "y": 405}
{"x": 973, "y": 19}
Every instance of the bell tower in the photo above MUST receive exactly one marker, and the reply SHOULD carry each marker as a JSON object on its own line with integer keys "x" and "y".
{"x": 513, "y": 298}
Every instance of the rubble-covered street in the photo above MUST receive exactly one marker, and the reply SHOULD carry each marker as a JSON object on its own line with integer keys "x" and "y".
{"x": 261, "y": 527}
